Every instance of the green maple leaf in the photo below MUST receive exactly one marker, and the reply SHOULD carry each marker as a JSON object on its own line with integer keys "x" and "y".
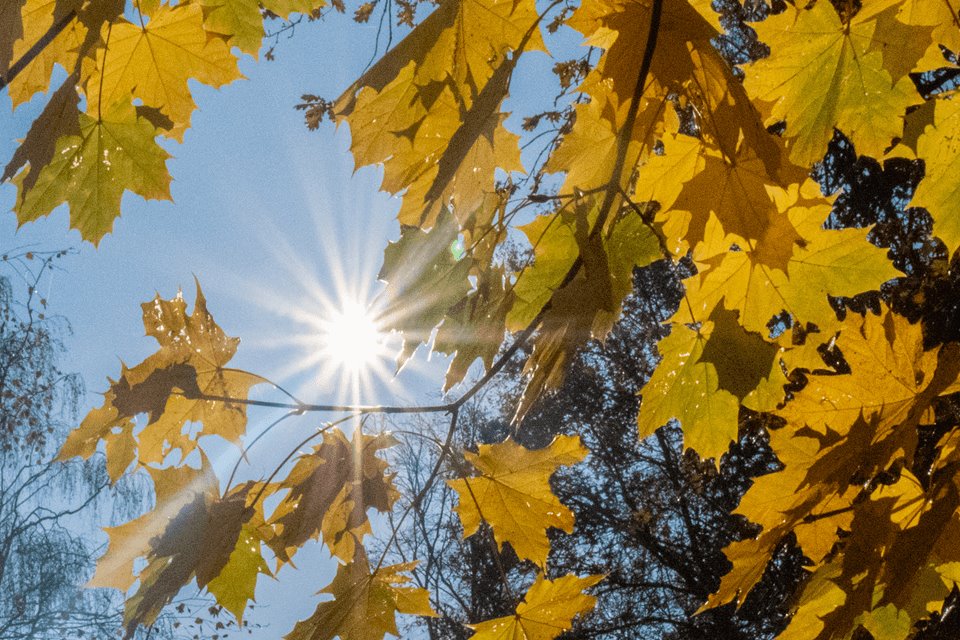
{"x": 822, "y": 74}
{"x": 90, "y": 171}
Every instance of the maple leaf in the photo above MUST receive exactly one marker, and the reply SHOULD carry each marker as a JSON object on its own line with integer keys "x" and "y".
{"x": 424, "y": 280}
{"x": 684, "y": 66}
{"x": 91, "y": 169}
{"x": 236, "y": 582}
{"x": 815, "y": 55}
{"x": 782, "y": 274}
{"x": 694, "y": 181}
{"x": 238, "y": 20}
{"x": 283, "y": 8}
{"x": 941, "y": 17}
{"x": 330, "y": 492}
{"x": 839, "y": 428}
{"x": 686, "y": 387}
{"x": 154, "y": 62}
{"x": 939, "y": 146}
{"x": 884, "y": 577}
{"x": 174, "y": 488}
{"x": 474, "y": 327}
{"x": 11, "y": 30}
{"x": 59, "y": 118}
{"x": 198, "y": 542}
{"x": 429, "y": 109}
{"x": 170, "y": 387}
{"x": 891, "y": 384}
{"x": 582, "y": 306}
{"x": 37, "y": 18}
{"x": 547, "y": 610}
{"x": 365, "y": 603}
{"x": 560, "y": 240}
{"x": 513, "y": 494}
{"x": 781, "y": 502}
{"x": 820, "y": 596}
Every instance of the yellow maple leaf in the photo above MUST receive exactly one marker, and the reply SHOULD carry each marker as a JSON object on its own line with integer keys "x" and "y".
{"x": 782, "y": 502}
{"x": 475, "y": 326}
{"x": 365, "y": 603}
{"x": 703, "y": 376}
{"x": 841, "y": 428}
{"x": 794, "y": 268}
{"x": 547, "y": 610}
{"x": 59, "y": 118}
{"x": 283, "y": 8}
{"x": 330, "y": 491}
{"x": 513, "y": 494}
{"x": 694, "y": 180}
{"x": 185, "y": 381}
{"x": 587, "y": 154}
{"x": 889, "y": 384}
{"x": 911, "y": 32}
{"x": 424, "y": 280}
{"x": 200, "y": 541}
{"x": 887, "y": 577}
{"x": 174, "y": 488}
{"x": 939, "y": 146}
{"x": 11, "y": 30}
{"x": 820, "y": 596}
{"x": 429, "y": 109}
{"x": 38, "y": 16}
{"x": 154, "y": 62}
{"x": 237, "y": 20}
{"x": 235, "y": 584}
{"x": 822, "y": 73}
{"x": 684, "y": 67}
{"x": 586, "y": 304}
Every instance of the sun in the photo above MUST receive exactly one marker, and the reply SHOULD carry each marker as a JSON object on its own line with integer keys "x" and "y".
{"x": 351, "y": 339}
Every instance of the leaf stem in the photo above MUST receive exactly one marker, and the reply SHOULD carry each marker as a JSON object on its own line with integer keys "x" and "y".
{"x": 614, "y": 187}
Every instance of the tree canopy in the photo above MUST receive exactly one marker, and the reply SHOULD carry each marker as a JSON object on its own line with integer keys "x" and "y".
{"x": 714, "y": 137}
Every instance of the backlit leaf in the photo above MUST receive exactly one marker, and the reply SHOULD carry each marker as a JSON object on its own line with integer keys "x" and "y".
{"x": 364, "y": 604}
{"x": 239, "y": 20}
{"x": 169, "y": 385}
{"x": 153, "y": 63}
{"x": 199, "y": 541}
{"x": 823, "y": 73}
{"x": 547, "y": 610}
{"x": 330, "y": 492}
{"x": 38, "y": 17}
{"x": 513, "y": 494}
{"x": 175, "y": 488}
{"x": 938, "y": 191}
{"x": 91, "y": 170}
{"x": 424, "y": 280}
{"x": 234, "y": 586}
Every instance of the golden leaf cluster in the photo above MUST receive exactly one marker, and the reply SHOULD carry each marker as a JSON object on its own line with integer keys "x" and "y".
{"x": 669, "y": 153}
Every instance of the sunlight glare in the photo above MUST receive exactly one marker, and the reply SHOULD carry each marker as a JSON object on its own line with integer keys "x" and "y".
{"x": 351, "y": 338}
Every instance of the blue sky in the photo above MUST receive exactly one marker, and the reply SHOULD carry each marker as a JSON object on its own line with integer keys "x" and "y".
{"x": 269, "y": 217}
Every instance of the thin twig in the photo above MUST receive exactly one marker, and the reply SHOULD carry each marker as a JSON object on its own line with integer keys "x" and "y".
{"x": 454, "y": 415}
{"x": 293, "y": 452}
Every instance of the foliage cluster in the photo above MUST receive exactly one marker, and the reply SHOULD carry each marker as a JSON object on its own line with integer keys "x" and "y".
{"x": 662, "y": 150}
{"x": 49, "y": 511}
{"x": 649, "y": 517}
